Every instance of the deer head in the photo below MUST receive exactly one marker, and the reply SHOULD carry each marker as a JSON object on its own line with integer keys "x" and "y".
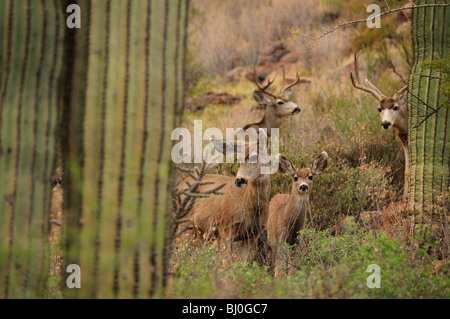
{"x": 254, "y": 154}
{"x": 279, "y": 103}
{"x": 390, "y": 108}
{"x": 303, "y": 178}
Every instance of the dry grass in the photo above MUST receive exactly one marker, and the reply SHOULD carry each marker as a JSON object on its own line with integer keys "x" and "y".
{"x": 227, "y": 34}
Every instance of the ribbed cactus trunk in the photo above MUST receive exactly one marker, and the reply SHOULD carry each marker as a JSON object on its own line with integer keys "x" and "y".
{"x": 429, "y": 173}
{"x": 123, "y": 96}
{"x": 106, "y": 98}
{"x": 30, "y": 65}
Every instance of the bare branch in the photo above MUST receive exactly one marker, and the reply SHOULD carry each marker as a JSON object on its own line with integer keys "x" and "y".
{"x": 182, "y": 206}
{"x": 428, "y": 115}
{"x": 316, "y": 40}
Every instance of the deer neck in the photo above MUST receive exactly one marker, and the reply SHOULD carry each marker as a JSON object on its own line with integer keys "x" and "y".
{"x": 255, "y": 207}
{"x": 270, "y": 120}
{"x": 258, "y": 191}
{"x": 295, "y": 215}
{"x": 401, "y": 125}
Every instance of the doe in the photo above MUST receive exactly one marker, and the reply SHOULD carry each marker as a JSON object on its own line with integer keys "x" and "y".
{"x": 287, "y": 213}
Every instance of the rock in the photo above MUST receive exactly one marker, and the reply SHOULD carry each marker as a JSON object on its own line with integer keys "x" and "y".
{"x": 212, "y": 98}
{"x": 273, "y": 53}
{"x": 263, "y": 71}
{"x": 291, "y": 57}
{"x": 273, "y": 58}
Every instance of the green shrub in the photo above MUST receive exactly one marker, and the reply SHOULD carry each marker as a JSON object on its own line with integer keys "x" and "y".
{"x": 321, "y": 266}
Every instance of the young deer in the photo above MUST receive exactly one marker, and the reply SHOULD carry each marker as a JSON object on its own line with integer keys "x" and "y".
{"x": 287, "y": 213}
{"x": 276, "y": 106}
{"x": 393, "y": 113}
{"x": 241, "y": 212}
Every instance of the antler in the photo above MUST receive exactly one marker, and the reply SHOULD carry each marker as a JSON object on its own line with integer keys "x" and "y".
{"x": 400, "y": 92}
{"x": 286, "y": 88}
{"x": 263, "y": 90}
{"x": 370, "y": 88}
{"x": 297, "y": 81}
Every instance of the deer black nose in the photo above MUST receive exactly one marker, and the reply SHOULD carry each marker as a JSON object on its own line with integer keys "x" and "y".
{"x": 239, "y": 182}
{"x": 296, "y": 110}
{"x": 386, "y": 125}
{"x": 303, "y": 188}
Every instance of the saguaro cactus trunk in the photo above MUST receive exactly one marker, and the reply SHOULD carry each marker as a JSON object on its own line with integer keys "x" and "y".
{"x": 30, "y": 64}
{"x": 429, "y": 123}
{"x": 109, "y": 94}
{"x": 123, "y": 97}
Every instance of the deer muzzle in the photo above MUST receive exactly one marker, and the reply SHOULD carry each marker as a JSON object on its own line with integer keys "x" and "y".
{"x": 303, "y": 188}
{"x": 296, "y": 111}
{"x": 240, "y": 182}
{"x": 386, "y": 125}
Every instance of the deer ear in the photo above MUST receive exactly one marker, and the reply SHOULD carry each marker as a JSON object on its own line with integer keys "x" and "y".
{"x": 401, "y": 95}
{"x": 286, "y": 167}
{"x": 287, "y": 94}
{"x": 319, "y": 164}
{"x": 224, "y": 147}
{"x": 261, "y": 98}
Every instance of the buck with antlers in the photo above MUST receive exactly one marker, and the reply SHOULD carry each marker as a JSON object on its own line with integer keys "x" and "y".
{"x": 393, "y": 113}
{"x": 276, "y": 106}
{"x": 287, "y": 213}
{"x": 240, "y": 213}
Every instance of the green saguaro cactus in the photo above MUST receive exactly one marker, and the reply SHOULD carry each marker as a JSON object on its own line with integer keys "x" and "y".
{"x": 123, "y": 97}
{"x": 30, "y": 64}
{"x": 105, "y": 98}
{"x": 429, "y": 118}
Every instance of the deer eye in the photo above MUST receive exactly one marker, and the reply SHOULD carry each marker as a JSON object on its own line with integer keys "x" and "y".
{"x": 396, "y": 108}
{"x": 310, "y": 177}
{"x": 280, "y": 102}
{"x": 295, "y": 178}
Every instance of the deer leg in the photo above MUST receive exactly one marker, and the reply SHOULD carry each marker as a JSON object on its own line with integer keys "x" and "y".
{"x": 207, "y": 236}
{"x": 245, "y": 251}
{"x": 278, "y": 266}
{"x": 197, "y": 235}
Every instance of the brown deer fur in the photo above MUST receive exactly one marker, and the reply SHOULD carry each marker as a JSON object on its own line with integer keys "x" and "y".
{"x": 393, "y": 113}
{"x": 240, "y": 213}
{"x": 276, "y": 106}
{"x": 287, "y": 213}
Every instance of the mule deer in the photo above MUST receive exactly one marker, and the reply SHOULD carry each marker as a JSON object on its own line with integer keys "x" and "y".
{"x": 276, "y": 106}
{"x": 287, "y": 213}
{"x": 393, "y": 113}
{"x": 240, "y": 213}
